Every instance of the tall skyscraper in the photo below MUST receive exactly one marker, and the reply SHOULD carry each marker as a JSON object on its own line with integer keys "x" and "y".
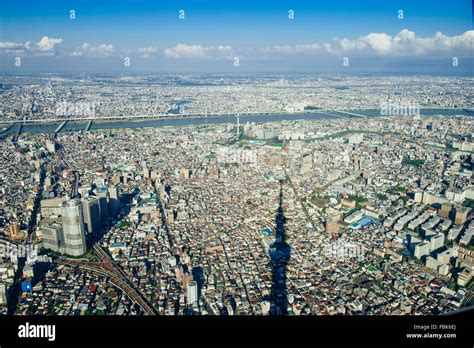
{"x": 238, "y": 127}
{"x": 462, "y": 213}
{"x": 445, "y": 210}
{"x": 91, "y": 212}
{"x": 192, "y": 292}
{"x": 114, "y": 198}
{"x": 73, "y": 228}
{"x": 51, "y": 145}
{"x": 103, "y": 195}
{"x": 3, "y": 293}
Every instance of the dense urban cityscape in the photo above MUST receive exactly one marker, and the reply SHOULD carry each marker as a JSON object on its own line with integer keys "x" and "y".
{"x": 236, "y": 172}
{"x": 358, "y": 202}
{"x": 81, "y": 96}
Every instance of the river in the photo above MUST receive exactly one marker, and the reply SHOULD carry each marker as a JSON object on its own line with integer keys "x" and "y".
{"x": 72, "y": 126}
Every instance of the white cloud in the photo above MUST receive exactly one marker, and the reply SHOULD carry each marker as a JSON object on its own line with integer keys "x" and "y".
{"x": 291, "y": 49}
{"x": 181, "y": 51}
{"x": 185, "y": 51}
{"x": 224, "y": 51}
{"x": 147, "y": 51}
{"x": 10, "y": 45}
{"x": 44, "y": 47}
{"x": 405, "y": 43}
{"x": 47, "y": 44}
{"x": 13, "y": 48}
{"x": 380, "y": 42}
{"x": 103, "y": 50}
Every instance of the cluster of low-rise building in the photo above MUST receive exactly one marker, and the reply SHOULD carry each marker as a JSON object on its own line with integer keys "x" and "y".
{"x": 67, "y": 290}
{"x": 377, "y": 216}
{"x": 39, "y": 97}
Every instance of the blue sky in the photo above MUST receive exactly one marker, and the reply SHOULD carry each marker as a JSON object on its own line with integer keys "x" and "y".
{"x": 215, "y": 32}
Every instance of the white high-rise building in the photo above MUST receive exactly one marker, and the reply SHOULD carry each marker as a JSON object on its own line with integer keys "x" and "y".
{"x": 73, "y": 228}
{"x": 3, "y": 293}
{"x": 238, "y": 127}
{"x": 91, "y": 212}
{"x": 114, "y": 198}
{"x": 422, "y": 249}
{"x": 192, "y": 292}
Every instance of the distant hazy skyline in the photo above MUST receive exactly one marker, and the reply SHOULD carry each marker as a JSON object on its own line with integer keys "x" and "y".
{"x": 214, "y": 33}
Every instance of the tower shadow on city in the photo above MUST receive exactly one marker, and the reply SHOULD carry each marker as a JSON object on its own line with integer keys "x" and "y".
{"x": 280, "y": 253}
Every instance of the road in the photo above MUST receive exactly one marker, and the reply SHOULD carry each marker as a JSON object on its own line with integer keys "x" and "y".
{"x": 19, "y": 127}
{"x": 117, "y": 277}
{"x": 347, "y": 113}
{"x": 15, "y": 292}
{"x": 107, "y": 265}
{"x": 239, "y": 273}
{"x": 298, "y": 198}
{"x": 117, "y": 271}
